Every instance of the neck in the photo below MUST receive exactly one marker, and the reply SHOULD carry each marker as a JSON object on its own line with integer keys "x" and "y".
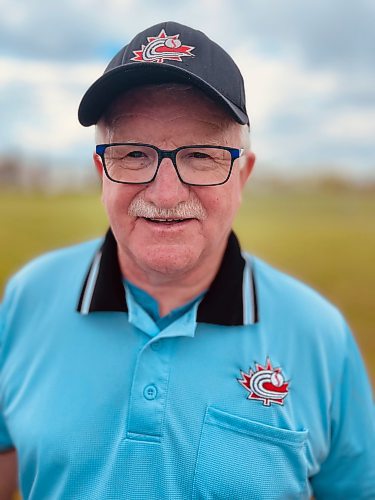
{"x": 172, "y": 290}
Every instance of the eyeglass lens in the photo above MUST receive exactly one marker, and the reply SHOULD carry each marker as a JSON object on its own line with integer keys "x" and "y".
{"x": 195, "y": 165}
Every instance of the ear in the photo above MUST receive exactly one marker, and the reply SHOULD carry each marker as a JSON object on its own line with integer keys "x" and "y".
{"x": 247, "y": 167}
{"x": 98, "y": 164}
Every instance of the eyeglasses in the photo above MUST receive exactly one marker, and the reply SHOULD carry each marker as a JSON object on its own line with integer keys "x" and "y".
{"x": 136, "y": 163}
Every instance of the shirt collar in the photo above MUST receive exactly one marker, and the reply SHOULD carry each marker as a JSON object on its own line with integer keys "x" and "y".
{"x": 231, "y": 299}
{"x": 181, "y": 322}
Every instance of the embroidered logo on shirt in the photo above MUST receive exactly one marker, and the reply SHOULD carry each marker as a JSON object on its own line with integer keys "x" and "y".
{"x": 265, "y": 384}
{"x": 163, "y": 47}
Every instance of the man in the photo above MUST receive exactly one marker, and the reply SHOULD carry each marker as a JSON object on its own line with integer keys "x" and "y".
{"x": 189, "y": 369}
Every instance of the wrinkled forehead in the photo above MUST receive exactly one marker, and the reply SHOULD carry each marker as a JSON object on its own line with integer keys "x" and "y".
{"x": 167, "y": 101}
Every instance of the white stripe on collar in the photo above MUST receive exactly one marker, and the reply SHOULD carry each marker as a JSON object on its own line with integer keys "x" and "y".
{"x": 90, "y": 285}
{"x": 249, "y": 316}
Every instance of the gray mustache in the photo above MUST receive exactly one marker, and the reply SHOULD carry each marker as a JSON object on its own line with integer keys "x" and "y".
{"x": 191, "y": 209}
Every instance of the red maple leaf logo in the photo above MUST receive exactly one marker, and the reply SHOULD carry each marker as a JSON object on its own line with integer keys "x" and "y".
{"x": 265, "y": 384}
{"x": 163, "y": 47}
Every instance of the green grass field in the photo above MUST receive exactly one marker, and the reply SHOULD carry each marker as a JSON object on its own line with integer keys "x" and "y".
{"x": 325, "y": 239}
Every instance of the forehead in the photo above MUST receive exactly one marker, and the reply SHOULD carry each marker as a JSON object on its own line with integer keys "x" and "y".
{"x": 168, "y": 107}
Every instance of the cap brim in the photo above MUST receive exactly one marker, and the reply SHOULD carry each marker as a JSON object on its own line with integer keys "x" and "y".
{"x": 111, "y": 84}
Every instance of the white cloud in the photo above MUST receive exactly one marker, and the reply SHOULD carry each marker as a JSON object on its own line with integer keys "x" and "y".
{"x": 350, "y": 123}
{"x": 42, "y": 102}
{"x": 35, "y": 71}
{"x": 299, "y": 117}
{"x": 274, "y": 84}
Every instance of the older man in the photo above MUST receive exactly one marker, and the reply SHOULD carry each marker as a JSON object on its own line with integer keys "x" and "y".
{"x": 189, "y": 369}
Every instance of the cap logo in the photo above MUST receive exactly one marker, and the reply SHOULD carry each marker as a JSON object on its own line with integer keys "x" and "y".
{"x": 163, "y": 47}
{"x": 265, "y": 384}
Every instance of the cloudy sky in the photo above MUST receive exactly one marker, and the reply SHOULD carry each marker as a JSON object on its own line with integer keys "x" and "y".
{"x": 308, "y": 66}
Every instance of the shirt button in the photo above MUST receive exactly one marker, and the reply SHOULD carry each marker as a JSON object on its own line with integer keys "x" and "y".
{"x": 155, "y": 346}
{"x": 150, "y": 392}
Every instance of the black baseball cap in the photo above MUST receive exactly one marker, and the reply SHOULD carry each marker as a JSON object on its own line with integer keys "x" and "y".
{"x": 168, "y": 52}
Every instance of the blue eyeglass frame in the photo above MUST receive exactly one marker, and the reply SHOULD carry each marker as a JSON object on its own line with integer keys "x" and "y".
{"x": 235, "y": 153}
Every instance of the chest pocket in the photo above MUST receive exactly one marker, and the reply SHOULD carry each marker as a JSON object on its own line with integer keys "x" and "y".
{"x": 239, "y": 459}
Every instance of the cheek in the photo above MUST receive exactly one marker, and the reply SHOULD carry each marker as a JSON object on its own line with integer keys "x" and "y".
{"x": 117, "y": 197}
{"x": 222, "y": 202}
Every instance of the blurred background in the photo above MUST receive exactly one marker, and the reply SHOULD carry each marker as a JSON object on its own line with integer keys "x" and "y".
{"x": 309, "y": 74}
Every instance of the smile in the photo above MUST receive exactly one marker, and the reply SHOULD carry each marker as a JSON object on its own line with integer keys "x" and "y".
{"x": 166, "y": 221}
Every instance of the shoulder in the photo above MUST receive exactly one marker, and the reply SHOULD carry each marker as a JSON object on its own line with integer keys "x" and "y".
{"x": 289, "y": 292}
{"x": 57, "y": 258}
{"x": 291, "y": 304}
{"x": 54, "y": 267}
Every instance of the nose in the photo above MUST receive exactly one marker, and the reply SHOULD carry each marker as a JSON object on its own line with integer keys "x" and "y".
{"x": 166, "y": 191}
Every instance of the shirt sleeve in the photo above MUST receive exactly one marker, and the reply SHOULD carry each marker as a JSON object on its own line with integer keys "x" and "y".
{"x": 349, "y": 470}
{"x": 5, "y": 439}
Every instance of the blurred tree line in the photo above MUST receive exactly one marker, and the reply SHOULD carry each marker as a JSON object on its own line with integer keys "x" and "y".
{"x": 19, "y": 174}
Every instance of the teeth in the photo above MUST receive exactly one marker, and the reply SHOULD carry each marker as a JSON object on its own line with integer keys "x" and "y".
{"x": 166, "y": 220}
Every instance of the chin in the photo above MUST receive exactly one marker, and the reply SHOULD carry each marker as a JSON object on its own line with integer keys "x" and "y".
{"x": 168, "y": 259}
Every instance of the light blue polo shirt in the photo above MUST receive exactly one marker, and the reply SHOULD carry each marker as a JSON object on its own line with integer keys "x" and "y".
{"x": 256, "y": 390}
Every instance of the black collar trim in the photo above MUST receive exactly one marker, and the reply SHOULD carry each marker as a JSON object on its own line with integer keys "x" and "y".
{"x": 231, "y": 299}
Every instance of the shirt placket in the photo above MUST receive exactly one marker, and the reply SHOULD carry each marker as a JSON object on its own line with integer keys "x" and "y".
{"x": 149, "y": 391}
